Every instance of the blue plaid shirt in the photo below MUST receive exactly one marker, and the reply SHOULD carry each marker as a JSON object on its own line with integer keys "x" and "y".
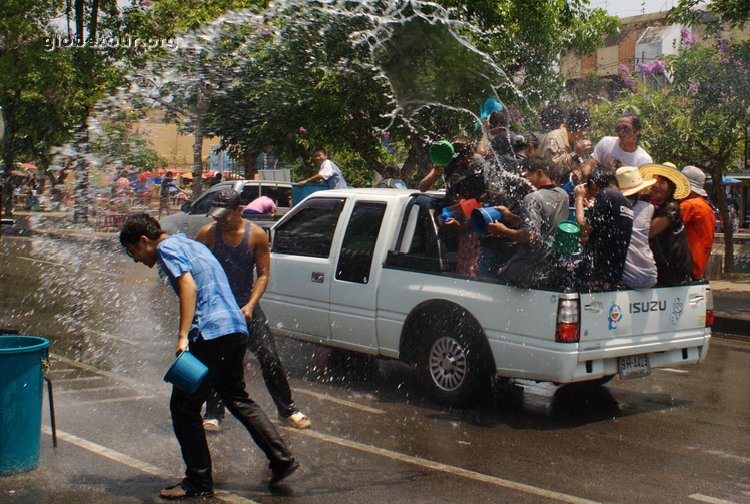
{"x": 216, "y": 312}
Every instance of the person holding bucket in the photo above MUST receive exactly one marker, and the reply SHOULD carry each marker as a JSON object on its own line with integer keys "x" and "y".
{"x": 608, "y": 224}
{"x": 534, "y": 264}
{"x": 213, "y": 325}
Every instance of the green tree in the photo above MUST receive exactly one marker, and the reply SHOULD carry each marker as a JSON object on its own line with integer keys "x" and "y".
{"x": 733, "y": 12}
{"x": 315, "y": 72}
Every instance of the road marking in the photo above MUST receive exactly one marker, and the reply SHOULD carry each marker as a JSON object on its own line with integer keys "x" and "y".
{"x": 63, "y": 265}
{"x": 722, "y": 454}
{"x": 710, "y": 500}
{"x": 86, "y": 390}
{"x": 110, "y": 454}
{"x": 85, "y": 367}
{"x": 110, "y": 337}
{"x": 673, "y": 370}
{"x": 114, "y": 400}
{"x": 342, "y": 402}
{"x": 80, "y": 379}
{"x": 134, "y": 463}
{"x": 437, "y": 466}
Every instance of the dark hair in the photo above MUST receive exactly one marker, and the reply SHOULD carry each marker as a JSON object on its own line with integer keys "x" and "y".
{"x": 392, "y": 171}
{"x": 536, "y": 163}
{"x": 552, "y": 116}
{"x": 321, "y": 149}
{"x": 137, "y": 225}
{"x": 499, "y": 118}
{"x": 672, "y": 186}
{"x": 525, "y": 140}
{"x": 578, "y": 119}
{"x": 635, "y": 121}
{"x": 169, "y": 174}
{"x": 462, "y": 145}
{"x": 602, "y": 176}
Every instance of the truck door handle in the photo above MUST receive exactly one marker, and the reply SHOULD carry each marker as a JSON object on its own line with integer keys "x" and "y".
{"x": 317, "y": 276}
{"x": 695, "y": 300}
{"x": 593, "y": 307}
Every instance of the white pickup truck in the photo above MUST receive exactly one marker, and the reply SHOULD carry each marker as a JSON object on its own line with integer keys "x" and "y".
{"x": 367, "y": 270}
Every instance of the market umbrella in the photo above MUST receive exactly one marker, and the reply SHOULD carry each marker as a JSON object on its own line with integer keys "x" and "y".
{"x": 28, "y": 166}
{"x": 726, "y": 180}
{"x": 54, "y": 167}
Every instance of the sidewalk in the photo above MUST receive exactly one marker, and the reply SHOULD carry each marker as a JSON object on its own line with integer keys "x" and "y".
{"x": 731, "y": 296}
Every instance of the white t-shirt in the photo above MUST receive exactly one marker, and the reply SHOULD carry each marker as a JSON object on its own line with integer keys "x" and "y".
{"x": 608, "y": 150}
{"x": 640, "y": 267}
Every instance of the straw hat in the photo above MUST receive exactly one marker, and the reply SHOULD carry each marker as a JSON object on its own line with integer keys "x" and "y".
{"x": 630, "y": 181}
{"x": 651, "y": 170}
{"x": 697, "y": 179}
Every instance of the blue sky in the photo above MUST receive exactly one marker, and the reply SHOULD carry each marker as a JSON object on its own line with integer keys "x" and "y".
{"x": 627, "y": 8}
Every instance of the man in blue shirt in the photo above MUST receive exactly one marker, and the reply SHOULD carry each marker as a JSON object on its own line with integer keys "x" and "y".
{"x": 214, "y": 327}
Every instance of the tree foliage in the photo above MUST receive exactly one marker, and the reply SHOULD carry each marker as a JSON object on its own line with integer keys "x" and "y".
{"x": 713, "y": 13}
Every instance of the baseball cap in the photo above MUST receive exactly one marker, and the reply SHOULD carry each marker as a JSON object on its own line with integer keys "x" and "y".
{"x": 226, "y": 201}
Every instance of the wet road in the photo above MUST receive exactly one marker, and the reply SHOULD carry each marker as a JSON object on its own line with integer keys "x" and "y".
{"x": 677, "y": 436}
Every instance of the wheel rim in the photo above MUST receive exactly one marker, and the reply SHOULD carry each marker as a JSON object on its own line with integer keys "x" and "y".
{"x": 447, "y": 364}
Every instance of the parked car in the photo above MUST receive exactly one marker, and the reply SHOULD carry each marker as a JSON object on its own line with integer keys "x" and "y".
{"x": 193, "y": 214}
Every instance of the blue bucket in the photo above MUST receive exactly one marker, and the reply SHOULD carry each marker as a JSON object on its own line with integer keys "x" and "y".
{"x": 186, "y": 373}
{"x": 22, "y": 362}
{"x": 481, "y": 218}
{"x": 300, "y": 192}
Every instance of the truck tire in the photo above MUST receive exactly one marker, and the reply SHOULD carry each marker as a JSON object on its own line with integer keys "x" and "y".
{"x": 451, "y": 362}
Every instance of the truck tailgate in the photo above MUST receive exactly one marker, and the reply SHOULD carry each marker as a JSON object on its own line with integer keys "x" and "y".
{"x": 656, "y": 319}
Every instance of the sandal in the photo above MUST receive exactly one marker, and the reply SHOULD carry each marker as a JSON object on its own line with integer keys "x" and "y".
{"x": 180, "y": 491}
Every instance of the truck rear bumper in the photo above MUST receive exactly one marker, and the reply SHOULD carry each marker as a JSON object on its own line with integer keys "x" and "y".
{"x": 577, "y": 366}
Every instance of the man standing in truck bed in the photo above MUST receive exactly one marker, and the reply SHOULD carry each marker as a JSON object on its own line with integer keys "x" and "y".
{"x": 241, "y": 247}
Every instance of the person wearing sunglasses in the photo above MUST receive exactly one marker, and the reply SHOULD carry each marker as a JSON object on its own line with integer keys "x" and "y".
{"x": 622, "y": 149}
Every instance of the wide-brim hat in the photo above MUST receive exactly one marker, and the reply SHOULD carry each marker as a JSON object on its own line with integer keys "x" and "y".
{"x": 630, "y": 181}
{"x": 697, "y": 179}
{"x": 680, "y": 181}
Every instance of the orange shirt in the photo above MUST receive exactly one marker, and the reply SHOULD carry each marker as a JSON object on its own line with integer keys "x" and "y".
{"x": 699, "y": 220}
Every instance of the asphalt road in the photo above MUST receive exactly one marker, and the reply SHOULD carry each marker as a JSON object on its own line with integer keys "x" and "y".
{"x": 679, "y": 435}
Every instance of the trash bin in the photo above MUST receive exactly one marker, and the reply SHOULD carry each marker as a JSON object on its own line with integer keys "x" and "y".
{"x": 22, "y": 364}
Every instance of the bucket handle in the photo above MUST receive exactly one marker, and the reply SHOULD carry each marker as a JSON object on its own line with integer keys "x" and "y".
{"x": 51, "y": 399}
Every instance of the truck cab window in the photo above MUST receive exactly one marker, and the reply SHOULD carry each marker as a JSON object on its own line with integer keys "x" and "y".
{"x": 309, "y": 231}
{"x": 359, "y": 242}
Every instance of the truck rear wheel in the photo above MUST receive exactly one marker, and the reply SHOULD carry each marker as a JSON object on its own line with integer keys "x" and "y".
{"x": 450, "y": 362}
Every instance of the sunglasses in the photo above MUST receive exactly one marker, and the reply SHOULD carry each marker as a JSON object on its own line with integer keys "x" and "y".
{"x": 623, "y": 128}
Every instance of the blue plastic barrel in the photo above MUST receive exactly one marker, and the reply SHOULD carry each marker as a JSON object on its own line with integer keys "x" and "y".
{"x": 300, "y": 192}
{"x": 22, "y": 362}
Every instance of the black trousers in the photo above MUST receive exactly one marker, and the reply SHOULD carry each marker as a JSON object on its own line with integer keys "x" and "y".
{"x": 224, "y": 359}
{"x": 262, "y": 344}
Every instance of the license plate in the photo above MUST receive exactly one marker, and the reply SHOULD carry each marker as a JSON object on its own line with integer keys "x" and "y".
{"x": 634, "y": 366}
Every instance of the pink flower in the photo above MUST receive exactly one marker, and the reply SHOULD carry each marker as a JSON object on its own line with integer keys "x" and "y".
{"x": 686, "y": 37}
{"x": 623, "y": 69}
{"x": 693, "y": 87}
{"x": 302, "y": 130}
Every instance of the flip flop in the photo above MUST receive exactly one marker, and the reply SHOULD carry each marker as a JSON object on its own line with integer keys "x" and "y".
{"x": 179, "y": 491}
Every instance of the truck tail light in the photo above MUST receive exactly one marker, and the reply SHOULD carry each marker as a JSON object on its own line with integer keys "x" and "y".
{"x": 709, "y": 308}
{"x": 567, "y": 321}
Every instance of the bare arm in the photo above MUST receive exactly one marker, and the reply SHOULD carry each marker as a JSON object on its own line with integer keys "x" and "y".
{"x": 314, "y": 178}
{"x": 658, "y": 225}
{"x": 516, "y": 235}
{"x": 188, "y": 296}
{"x": 258, "y": 243}
{"x": 207, "y": 235}
{"x": 429, "y": 180}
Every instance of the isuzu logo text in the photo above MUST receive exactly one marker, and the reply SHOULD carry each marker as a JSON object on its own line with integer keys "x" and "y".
{"x": 648, "y": 306}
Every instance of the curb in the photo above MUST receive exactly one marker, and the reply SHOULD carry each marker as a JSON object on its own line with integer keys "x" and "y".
{"x": 736, "y": 327}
